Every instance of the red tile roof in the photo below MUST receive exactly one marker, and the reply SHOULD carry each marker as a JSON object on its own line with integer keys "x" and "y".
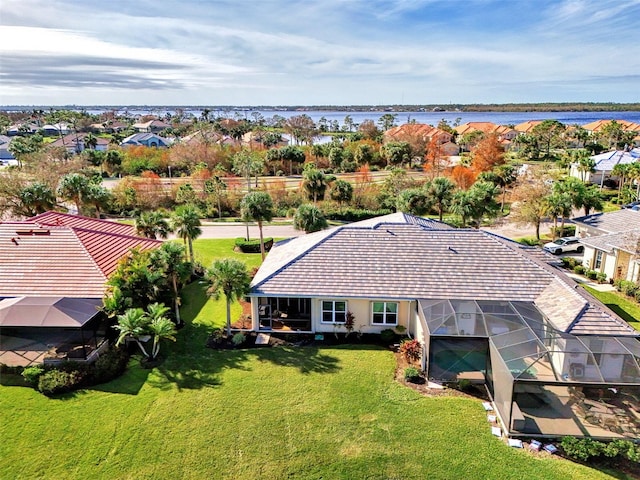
{"x": 41, "y": 260}
{"x": 414, "y": 130}
{"x": 106, "y": 226}
{"x": 526, "y": 127}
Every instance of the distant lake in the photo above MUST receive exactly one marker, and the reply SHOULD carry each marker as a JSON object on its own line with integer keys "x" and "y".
{"x": 432, "y": 118}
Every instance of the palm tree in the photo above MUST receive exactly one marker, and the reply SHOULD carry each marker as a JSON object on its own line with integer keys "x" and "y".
{"x": 257, "y": 206}
{"x": 186, "y": 223}
{"x": 74, "y": 187}
{"x": 621, "y": 170}
{"x": 230, "y": 277}
{"x": 462, "y": 204}
{"x": 440, "y": 191}
{"x": 558, "y": 204}
{"x": 170, "y": 256}
{"x": 315, "y": 182}
{"x": 152, "y": 225}
{"x": 98, "y": 196}
{"x": 309, "y": 218}
{"x": 36, "y": 198}
{"x": 132, "y": 324}
{"x": 159, "y": 326}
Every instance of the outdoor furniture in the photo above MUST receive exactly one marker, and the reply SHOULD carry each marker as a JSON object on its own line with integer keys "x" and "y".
{"x": 551, "y": 448}
{"x": 535, "y": 445}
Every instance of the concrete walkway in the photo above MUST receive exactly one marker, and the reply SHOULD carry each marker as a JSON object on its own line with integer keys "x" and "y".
{"x": 601, "y": 287}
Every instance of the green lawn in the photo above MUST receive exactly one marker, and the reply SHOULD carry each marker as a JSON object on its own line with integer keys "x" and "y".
{"x": 310, "y": 413}
{"x": 620, "y": 304}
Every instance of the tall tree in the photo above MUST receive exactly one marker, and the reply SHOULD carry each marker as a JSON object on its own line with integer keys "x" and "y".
{"x": 247, "y": 163}
{"x": 414, "y": 201}
{"x": 74, "y": 187}
{"x": 159, "y": 326}
{"x": 341, "y": 191}
{"x": 257, "y": 206}
{"x": 229, "y": 277}
{"x": 170, "y": 259}
{"x": 98, "y": 197}
{"x": 186, "y": 223}
{"x": 487, "y": 154}
{"x": 309, "y": 219}
{"x": 315, "y": 182}
{"x": 36, "y": 198}
{"x": 440, "y": 190}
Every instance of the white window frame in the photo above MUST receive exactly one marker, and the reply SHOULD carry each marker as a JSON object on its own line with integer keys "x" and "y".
{"x": 385, "y": 313}
{"x": 597, "y": 264}
{"x": 333, "y": 312}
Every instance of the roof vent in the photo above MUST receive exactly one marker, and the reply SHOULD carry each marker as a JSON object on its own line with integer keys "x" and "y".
{"x": 451, "y": 249}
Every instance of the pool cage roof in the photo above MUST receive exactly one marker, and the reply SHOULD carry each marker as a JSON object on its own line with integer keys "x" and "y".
{"x": 531, "y": 348}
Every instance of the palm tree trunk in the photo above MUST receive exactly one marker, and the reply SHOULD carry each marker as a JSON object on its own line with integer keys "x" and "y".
{"x": 538, "y": 230}
{"x": 175, "y": 299}
{"x": 228, "y": 317}
{"x": 191, "y": 250}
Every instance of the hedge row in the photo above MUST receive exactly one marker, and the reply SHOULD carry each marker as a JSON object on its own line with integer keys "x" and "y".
{"x": 253, "y": 246}
{"x": 68, "y": 376}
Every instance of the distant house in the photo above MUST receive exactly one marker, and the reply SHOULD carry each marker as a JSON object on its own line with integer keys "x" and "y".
{"x": 604, "y": 165}
{"x": 503, "y": 132}
{"x": 56, "y": 129}
{"x": 599, "y": 125}
{"x": 76, "y": 143}
{"x": 611, "y": 243}
{"x": 53, "y": 273}
{"x": 146, "y": 140}
{"x": 527, "y": 127}
{"x": 109, "y": 127}
{"x": 410, "y": 131}
{"x": 6, "y": 157}
{"x": 22, "y": 129}
{"x": 484, "y": 308}
{"x": 152, "y": 126}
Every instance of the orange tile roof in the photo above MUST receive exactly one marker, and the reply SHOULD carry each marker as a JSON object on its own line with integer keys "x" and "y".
{"x": 526, "y": 127}
{"x": 39, "y": 260}
{"x": 415, "y": 129}
{"x": 600, "y": 124}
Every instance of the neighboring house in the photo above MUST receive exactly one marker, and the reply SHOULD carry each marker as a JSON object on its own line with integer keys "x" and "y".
{"x": 503, "y": 132}
{"x": 22, "y": 129}
{"x": 53, "y": 273}
{"x": 611, "y": 243}
{"x": 56, "y": 129}
{"x": 6, "y": 157}
{"x": 527, "y": 127}
{"x": 75, "y": 143}
{"x": 411, "y": 131}
{"x": 599, "y": 125}
{"x": 484, "y": 308}
{"x": 152, "y": 126}
{"x": 604, "y": 165}
{"x": 146, "y": 140}
{"x": 109, "y": 127}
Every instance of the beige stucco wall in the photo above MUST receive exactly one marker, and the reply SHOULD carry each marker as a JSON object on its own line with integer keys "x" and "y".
{"x": 361, "y": 309}
{"x": 608, "y": 261}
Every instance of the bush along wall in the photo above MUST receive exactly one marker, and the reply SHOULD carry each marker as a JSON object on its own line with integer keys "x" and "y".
{"x": 253, "y": 246}
{"x": 70, "y": 376}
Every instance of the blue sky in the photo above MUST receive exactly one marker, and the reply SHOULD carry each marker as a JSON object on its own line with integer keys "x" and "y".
{"x": 324, "y": 52}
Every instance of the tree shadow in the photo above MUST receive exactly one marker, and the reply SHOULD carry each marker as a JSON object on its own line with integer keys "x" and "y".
{"x": 129, "y": 383}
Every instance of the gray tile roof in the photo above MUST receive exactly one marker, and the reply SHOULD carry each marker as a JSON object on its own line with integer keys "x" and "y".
{"x": 402, "y": 257}
{"x": 611, "y": 222}
{"x": 627, "y": 241}
{"x": 402, "y": 260}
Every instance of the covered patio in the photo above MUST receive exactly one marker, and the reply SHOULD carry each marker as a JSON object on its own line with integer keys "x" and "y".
{"x": 35, "y": 330}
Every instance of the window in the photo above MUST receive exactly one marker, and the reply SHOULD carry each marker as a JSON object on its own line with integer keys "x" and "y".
{"x": 334, "y": 311}
{"x": 384, "y": 313}
{"x": 598, "y": 263}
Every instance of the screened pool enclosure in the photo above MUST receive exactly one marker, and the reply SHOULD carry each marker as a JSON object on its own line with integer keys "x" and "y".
{"x": 544, "y": 382}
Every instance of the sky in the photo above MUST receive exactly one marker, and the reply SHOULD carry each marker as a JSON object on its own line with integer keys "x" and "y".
{"x": 318, "y": 52}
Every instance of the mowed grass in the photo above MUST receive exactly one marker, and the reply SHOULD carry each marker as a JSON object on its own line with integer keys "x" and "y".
{"x": 620, "y": 304}
{"x": 274, "y": 413}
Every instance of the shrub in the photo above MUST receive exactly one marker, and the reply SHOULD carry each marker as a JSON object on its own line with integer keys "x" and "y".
{"x": 238, "y": 339}
{"x": 32, "y": 374}
{"x": 349, "y": 214}
{"x": 253, "y": 246}
{"x": 400, "y": 329}
{"x": 411, "y": 374}
{"x": 591, "y": 274}
{"x": 628, "y": 288}
{"x": 586, "y": 448}
{"x": 569, "y": 262}
{"x": 110, "y": 365}
{"x": 579, "y": 269}
{"x": 568, "y": 231}
{"x": 464, "y": 385}
{"x": 411, "y": 350}
{"x": 387, "y": 335}
{"x": 57, "y": 381}
{"x": 601, "y": 277}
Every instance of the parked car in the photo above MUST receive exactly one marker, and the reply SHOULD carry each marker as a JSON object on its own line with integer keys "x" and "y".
{"x": 562, "y": 245}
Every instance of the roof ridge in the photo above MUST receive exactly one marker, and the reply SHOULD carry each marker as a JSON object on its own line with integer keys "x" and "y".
{"x": 86, "y": 250}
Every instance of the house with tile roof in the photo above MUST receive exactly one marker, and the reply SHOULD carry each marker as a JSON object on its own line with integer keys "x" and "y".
{"x": 151, "y": 126}
{"x": 604, "y": 163}
{"x": 611, "y": 243}
{"x": 410, "y": 131}
{"x": 484, "y": 308}
{"x": 146, "y": 140}
{"x": 51, "y": 267}
{"x": 75, "y": 143}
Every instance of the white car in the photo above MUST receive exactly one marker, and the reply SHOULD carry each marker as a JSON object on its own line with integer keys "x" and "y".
{"x": 562, "y": 245}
